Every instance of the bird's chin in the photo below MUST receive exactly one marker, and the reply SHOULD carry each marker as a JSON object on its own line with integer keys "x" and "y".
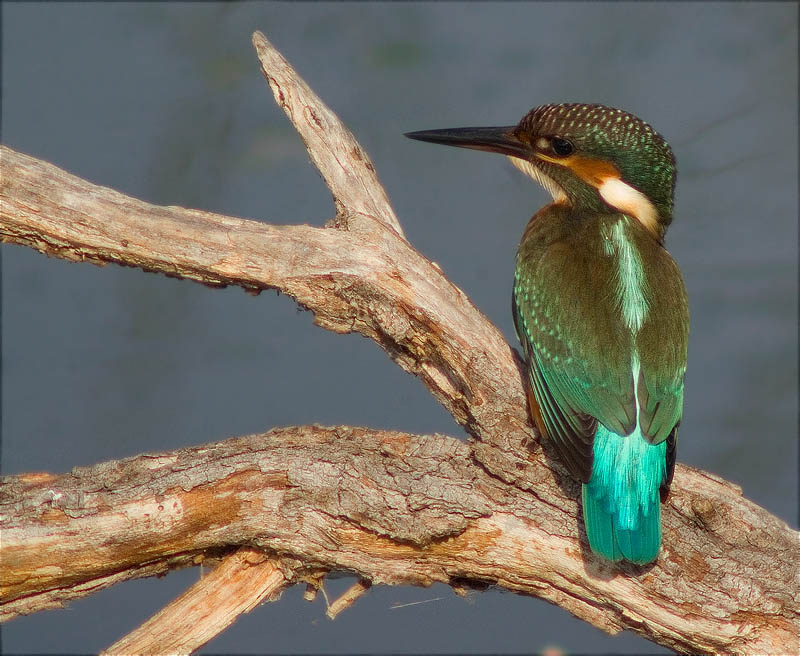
{"x": 534, "y": 172}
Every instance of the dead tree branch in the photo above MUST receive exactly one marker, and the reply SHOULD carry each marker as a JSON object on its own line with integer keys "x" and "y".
{"x": 241, "y": 582}
{"x": 389, "y": 507}
{"x": 397, "y": 509}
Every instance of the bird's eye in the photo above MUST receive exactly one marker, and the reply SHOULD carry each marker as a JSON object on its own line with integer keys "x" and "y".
{"x": 561, "y": 147}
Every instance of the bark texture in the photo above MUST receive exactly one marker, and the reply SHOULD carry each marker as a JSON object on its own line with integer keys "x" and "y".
{"x": 390, "y": 507}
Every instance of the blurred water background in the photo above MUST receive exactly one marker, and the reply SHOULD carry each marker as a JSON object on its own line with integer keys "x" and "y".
{"x": 166, "y": 102}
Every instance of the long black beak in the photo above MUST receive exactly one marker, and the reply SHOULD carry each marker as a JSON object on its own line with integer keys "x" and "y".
{"x": 494, "y": 140}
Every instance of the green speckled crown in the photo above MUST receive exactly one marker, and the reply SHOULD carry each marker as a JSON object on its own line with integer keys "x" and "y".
{"x": 642, "y": 156}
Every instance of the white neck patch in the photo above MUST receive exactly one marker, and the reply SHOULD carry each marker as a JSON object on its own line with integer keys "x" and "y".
{"x": 625, "y": 198}
{"x": 552, "y": 187}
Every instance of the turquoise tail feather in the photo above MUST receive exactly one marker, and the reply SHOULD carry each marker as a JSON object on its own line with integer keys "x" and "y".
{"x": 621, "y": 503}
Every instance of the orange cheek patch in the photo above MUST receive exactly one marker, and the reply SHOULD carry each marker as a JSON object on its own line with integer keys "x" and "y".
{"x": 592, "y": 171}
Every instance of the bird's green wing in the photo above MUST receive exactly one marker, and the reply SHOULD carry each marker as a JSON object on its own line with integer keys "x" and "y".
{"x": 578, "y": 350}
{"x": 662, "y": 345}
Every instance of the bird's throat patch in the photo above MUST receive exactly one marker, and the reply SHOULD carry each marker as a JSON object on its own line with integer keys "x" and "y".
{"x": 532, "y": 171}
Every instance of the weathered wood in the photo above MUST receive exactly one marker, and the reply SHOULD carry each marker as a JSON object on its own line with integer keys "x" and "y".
{"x": 242, "y": 580}
{"x": 345, "y": 166}
{"x": 402, "y": 509}
{"x": 389, "y": 507}
{"x": 350, "y": 596}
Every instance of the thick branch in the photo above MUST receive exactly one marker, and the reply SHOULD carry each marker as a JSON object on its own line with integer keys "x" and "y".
{"x": 402, "y": 509}
{"x": 372, "y": 282}
{"x": 392, "y": 508}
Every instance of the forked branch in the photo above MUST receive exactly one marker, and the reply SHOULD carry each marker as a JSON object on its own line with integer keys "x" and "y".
{"x": 389, "y": 507}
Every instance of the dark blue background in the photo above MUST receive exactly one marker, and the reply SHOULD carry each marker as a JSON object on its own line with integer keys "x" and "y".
{"x": 166, "y": 102}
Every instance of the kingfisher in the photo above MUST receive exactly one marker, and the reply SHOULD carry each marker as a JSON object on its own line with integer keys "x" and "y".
{"x": 600, "y": 309}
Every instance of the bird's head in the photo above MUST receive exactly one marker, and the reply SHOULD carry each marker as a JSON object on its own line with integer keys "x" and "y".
{"x": 590, "y": 156}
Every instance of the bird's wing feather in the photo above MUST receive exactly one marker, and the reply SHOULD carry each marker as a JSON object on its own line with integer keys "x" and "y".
{"x": 579, "y": 375}
{"x": 662, "y": 345}
{"x": 663, "y": 348}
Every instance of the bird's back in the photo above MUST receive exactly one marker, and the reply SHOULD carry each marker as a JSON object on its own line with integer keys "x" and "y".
{"x": 601, "y": 312}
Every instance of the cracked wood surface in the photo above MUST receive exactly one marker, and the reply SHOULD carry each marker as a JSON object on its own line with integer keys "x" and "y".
{"x": 398, "y": 509}
{"x": 390, "y": 507}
